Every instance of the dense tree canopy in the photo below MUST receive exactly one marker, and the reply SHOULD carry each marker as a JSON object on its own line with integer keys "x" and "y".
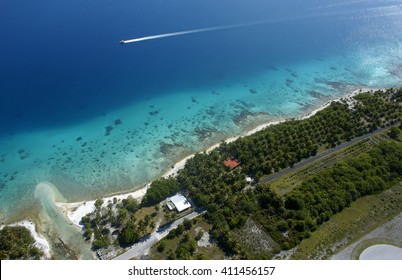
{"x": 160, "y": 190}
{"x": 17, "y": 243}
{"x": 330, "y": 191}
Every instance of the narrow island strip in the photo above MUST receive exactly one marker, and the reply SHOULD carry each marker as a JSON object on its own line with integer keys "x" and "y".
{"x": 77, "y": 210}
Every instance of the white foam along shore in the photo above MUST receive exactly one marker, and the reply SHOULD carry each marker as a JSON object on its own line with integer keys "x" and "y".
{"x": 75, "y": 211}
{"x": 40, "y": 242}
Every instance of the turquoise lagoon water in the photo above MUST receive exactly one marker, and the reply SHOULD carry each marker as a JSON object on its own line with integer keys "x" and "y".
{"x": 95, "y": 117}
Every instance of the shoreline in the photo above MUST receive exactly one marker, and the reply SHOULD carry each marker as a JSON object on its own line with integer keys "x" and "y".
{"x": 74, "y": 211}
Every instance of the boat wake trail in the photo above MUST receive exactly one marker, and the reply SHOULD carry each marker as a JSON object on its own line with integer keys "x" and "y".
{"x": 384, "y": 10}
{"x": 192, "y": 31}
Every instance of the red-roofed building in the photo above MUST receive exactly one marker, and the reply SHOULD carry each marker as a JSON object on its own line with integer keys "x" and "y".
{"x": 231, "y": 163}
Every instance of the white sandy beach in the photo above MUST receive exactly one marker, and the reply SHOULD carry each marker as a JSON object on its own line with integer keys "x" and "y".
{"x": 75, "y": 211}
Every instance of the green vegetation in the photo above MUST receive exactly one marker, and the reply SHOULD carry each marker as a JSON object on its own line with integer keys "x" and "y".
{"x": 395, "y": 133}
{"x": 17, "y": 243}
{"x": 344, "y": 228}
{"x": 182, "y": 243}
{"x": 306, "y": 207}
{"x": 288, "y": 182}
{"x": 120, "y": 224}
{"x": 330, "y": 191}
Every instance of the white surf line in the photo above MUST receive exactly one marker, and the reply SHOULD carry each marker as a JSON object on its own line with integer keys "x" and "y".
{"x": 192, "y": 31}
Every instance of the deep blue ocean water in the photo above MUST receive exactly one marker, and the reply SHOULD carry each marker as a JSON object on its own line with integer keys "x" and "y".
{"x": 61, "y": 67}
{"x": 63, "y": 58}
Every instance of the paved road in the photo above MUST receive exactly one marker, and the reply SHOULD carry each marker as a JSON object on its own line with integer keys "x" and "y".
{"x": 321, "y": 155}
{"x": 142, "y": 248}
